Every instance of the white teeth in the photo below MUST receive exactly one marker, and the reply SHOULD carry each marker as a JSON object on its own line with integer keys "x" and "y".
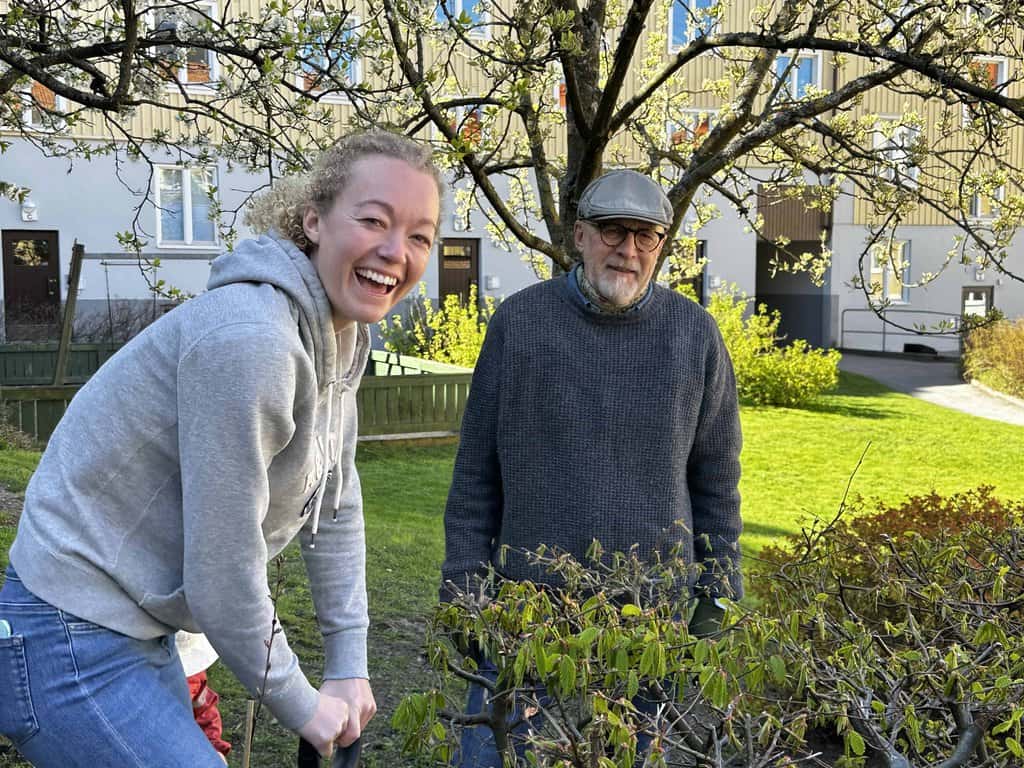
{"x": 377, "y": 277}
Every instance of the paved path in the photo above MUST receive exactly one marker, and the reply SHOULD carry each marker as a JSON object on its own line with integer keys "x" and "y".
{"x": 936, "y": 381}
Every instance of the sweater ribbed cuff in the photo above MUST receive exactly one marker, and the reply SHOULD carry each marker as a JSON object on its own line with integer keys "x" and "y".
{"x": 345, "y": 654}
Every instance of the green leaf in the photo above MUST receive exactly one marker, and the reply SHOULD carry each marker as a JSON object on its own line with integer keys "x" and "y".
{"x": 1014, "y": 746}
{"x": 778, "y": 668}
{"x": 855, "y": 742}
{"x": 631, "y": 611}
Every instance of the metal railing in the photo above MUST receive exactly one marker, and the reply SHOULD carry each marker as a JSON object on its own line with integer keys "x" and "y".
{"x": 888, "y": 331}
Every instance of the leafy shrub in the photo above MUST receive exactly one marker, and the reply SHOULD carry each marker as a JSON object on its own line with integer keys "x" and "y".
{"x": 894, "y": 647}
{"x": 863, "y": 529}
{"x": 767, "y": 374}
{"x": 452, "y": 334}
{"x": 994, "y": 355}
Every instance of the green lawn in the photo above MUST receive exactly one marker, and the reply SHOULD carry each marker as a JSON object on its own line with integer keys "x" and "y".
{"x": 796, "y": 464}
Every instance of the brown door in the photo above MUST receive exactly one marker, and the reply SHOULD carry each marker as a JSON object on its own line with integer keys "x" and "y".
{"x": 459, "y": 267}
{"x": 31, "y": 284}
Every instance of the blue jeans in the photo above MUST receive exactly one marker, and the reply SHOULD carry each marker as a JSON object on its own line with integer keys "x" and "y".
{"x": 73, "y": 693}
{"x": 477, "y": 748}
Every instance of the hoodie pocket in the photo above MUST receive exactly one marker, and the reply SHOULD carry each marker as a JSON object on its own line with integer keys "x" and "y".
{"x": 171, "y": 609}
{"x": 17, "y": 715}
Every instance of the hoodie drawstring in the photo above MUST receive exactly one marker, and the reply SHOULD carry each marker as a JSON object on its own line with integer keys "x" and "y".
{"x": 326, "y": 466}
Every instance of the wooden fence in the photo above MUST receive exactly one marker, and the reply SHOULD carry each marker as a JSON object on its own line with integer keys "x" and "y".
{"x": 398, "y": 395}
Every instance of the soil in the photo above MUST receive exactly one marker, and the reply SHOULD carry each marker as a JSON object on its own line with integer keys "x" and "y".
{"x": 10, "y": 506}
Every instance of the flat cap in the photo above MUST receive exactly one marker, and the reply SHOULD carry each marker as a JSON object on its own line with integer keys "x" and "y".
{"x": 625, "y": 194}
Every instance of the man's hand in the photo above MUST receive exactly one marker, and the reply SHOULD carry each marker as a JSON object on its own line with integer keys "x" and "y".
{"x": 329, "y": 722}
{"x": 354, "y": 691}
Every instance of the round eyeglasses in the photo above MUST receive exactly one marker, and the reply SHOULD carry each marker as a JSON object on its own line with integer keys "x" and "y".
{"x": 612, "y": 234}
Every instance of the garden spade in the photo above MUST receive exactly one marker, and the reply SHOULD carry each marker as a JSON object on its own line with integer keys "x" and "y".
{"x": 343, "y": 757}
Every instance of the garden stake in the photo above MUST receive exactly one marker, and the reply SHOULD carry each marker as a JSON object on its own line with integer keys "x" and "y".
{"x": 250, "y": 716}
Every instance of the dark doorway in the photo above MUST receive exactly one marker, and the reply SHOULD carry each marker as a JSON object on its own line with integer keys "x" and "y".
{"x": 31, "y": 284}
{"x": 976, "y": 300}
{"x": 802, "y": 305}
{"x": 459, "y": 267}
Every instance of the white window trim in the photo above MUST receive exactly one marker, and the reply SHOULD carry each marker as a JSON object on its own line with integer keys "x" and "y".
{"x": 692, "y": 25}
{"x": 690, "y": 117}
{"x": 352, "y": 22}
{"x": 790, "y": 88}
{"x": 886, "y": 144}
{"x": 59, "y": 104}
{"x": 483, "y": 26}
{"x": 186, "y": 205}
{"x": 458, "y": 115}
{"x": 883, "y": 283}
{"x": 996, "y": 199}
{"x": 211, "y": 9}
{"x": 1001, "y": 78}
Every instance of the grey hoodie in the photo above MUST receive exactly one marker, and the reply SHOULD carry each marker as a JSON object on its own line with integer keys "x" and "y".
{"x": 192, "y": 457}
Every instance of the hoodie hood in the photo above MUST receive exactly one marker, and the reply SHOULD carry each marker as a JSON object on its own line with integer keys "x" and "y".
{"x": 276, "y": 260}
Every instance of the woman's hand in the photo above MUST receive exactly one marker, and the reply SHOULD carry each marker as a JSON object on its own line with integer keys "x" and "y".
{"x": 355, "y": 691}
{"x": 329, "y": 723}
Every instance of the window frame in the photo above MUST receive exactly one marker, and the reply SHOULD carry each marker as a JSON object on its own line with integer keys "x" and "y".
{"x": 30, "y": 104}
{"x": 694, "y": 29}
{"x": 209, "y": 8}
{"x": 790, "y": 89}
{"x": 1002, "y": 77}
{"x": 884, "y": 270}
{"x": 975, "y": 211}
{"x": 888, "y": 146}
{"x": 480, "y": 29}
{"x": 188, "y": 227}
{"x": 691, "y": 126}
{"x": 352, "y": 23}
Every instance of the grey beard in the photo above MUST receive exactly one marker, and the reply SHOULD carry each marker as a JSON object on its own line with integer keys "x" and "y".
{"x": 598, "y": 300}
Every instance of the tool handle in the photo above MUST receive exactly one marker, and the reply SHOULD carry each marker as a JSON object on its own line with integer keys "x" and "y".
{"x": 344, "y": 757}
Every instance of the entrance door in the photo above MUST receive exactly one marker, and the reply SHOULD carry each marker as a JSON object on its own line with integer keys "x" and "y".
{"x": 977, "y": 301}
{"x": 31, "y": 284}
{"x": 459, "y": 267}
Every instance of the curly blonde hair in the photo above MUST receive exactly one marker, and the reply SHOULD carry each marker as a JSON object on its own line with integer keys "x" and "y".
{"x": 284, "y": 205}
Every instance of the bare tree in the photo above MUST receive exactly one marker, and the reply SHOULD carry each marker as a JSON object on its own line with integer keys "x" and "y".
{"x": 528, "y": 100}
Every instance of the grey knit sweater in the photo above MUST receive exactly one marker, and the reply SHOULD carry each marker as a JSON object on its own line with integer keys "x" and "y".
{"x": 582, "y": 425}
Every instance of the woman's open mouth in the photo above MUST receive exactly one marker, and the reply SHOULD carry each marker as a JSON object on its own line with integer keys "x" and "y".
{"x": 376, "y": 282}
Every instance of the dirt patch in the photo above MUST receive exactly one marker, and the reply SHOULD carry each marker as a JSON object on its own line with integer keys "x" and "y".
{"x": 10, "y": 506}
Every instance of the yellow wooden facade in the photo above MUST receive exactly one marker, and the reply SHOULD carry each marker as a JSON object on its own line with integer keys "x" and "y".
{"x": 654, "y": 50}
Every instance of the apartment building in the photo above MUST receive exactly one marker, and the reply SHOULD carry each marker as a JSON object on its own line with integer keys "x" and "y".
{"x": 168, "y": 199}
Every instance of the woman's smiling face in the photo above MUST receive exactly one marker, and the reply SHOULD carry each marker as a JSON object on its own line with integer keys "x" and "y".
{"x": 373, "y": 244}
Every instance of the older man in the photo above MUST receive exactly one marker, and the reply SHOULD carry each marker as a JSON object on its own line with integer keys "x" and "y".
{"x": 602, "y": 407}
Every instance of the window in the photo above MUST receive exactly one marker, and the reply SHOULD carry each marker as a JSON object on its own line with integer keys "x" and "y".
{"x": 890, "y": 270}
{"x": 184, "y": 197}
{"x": 990, "y": 73}
{"x": 800, "y": 76}
{"x": 468, "y": 124}
{"x": 986, "y": 207}
{"x": 562, "y": 95}
{"x": 190, "y": 66}
{"x": 691, "y": 130}
{"x": 896, "y": 155}
{"x": 688, "y": 19}
{"x": 40, "y": 103}
{"x": 330, "y": 56}
{"x": 466, "y": 12}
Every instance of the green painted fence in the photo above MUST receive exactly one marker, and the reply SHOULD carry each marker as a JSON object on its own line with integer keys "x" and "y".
{"x": 34, "y": 364}
{"x": 399, "y": 395}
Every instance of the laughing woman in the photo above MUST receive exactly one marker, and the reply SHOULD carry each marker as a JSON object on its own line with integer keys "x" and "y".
{"x": 194, "y": 456}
